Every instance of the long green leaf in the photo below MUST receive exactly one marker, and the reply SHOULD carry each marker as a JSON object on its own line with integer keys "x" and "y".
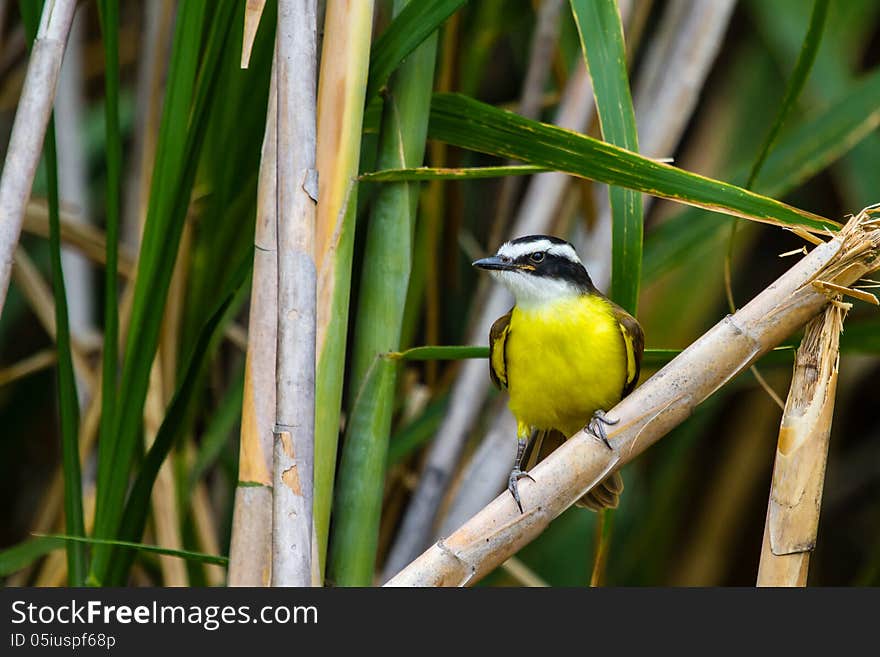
{"x": 108, "y": 12}
{"x": 173, "y": 426}
{"x": 67, "y": 396}
{"x": 68, "y": 401}
{"x": 410, "y": 27}
{"x": 462, "y": 173}
{"x": 470, "y": 124}
{"x": 181, "y": 136}
{"x": 189, "y": 555}
{"x": 601, "y": 35}
{"x": 20, "y": 556}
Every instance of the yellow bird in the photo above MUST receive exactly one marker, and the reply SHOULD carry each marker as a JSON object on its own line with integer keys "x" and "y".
{"x": 565, "y": 353}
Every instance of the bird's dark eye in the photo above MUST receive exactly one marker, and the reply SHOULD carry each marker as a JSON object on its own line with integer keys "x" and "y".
{"x": 538, "y": 256}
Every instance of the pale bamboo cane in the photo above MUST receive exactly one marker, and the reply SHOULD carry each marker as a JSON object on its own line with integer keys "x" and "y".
{"x": 297, "y": 190}
{"x": 29, "y": 129}
{"x": 801, "y": 454}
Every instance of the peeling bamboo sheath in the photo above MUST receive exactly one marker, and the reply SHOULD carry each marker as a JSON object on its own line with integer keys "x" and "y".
{"x": 29, "y": 129}
{"x": 250, "y": 549}
{"x": 652, "y": 410}
{"x": 297, "y": 191}
{"x": 801, "y": 455}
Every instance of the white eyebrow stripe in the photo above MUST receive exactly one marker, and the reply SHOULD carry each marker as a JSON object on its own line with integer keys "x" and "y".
{"x": 514, "y": 251}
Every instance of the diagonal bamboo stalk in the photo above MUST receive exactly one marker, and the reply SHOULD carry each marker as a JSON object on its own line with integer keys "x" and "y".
{"x": 40, "y": 298}
{"x": 250, "y": 549}
{"x": 801, "y": 455}
{"x": 29, "y": 129}
{"x": 32, "y": 364}
{"x": 297, "y": 189}
{"x": 76, "y": 233}
{"x": 652, "y": 410}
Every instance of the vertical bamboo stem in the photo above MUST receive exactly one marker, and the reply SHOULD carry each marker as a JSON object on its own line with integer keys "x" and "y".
{"x": 297, "y": 193}
{"x": 801, "y": 454}
{"x": 343, "y": 82}
{"x": 250, "y": 550}
{"x": 29, "y": 129}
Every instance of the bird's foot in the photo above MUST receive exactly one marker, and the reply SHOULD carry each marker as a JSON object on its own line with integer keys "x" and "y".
{"x": 597, "y": 426}
{"x": 512, "y": 484}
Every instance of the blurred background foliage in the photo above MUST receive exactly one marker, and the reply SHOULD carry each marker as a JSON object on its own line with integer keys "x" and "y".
{"x": 694, "y": 506}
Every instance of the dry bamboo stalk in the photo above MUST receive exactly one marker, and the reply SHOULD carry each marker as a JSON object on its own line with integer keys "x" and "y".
{"x": 250, "y": 550}
{"x": 472, "y": 384}
{"x": 206, "y": 529}
{"x": 41, "y": 301}
{"x": 801, "y": 455}
{"x": 253, "y": 11}
{"x": 297, "y": 192}
{"x": 54, "y": 569}
{"x": 27, "y": 366}
{"x": 163, "y": 500}
{"x": 76, "y": 233}
{"x": 29, "y": 129}
{"x": 153, "y": 57}
{"x": 647, "y": 414}
{"x": 523, "y": 574}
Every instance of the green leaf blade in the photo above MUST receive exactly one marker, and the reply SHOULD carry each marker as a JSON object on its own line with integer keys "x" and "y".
{"x": 601, "y": 35}
{"x": 470, "y": 124}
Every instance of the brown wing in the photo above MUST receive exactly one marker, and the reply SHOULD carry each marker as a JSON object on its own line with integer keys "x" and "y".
{"x": 497, "y": 350}
{"x": 634, "y": 341}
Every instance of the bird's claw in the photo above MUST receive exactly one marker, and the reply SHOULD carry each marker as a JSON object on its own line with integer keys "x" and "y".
{"x": 597, "y": 426}
{"x": 512, "y": 485}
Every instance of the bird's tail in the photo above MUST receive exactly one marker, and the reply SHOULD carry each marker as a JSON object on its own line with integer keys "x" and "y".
{"x": 604, "y": 495}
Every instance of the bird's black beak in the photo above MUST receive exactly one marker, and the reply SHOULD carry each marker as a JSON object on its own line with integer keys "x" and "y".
{"x": 493, "y": 263}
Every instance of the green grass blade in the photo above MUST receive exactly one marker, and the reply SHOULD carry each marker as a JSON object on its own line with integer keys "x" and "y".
{"x": 20, "y": 556}
{"x": 601, "y": 36}
{"x": 461, "y": 173}
{"x": 108, "y": 12}
{"x": 189, "y": 555}
{"x": 795, "y": 85}
{"x": 439, "y": 353}
{"x": 173, "y": 426}
{"x": 68, "y": 402}
{"x": 67, "y": 396}
{"x": 380, "y": 313}
{"x": 470, "y": 124}
{"x": 415, "y": 23}
{"x": 181, "y": 135}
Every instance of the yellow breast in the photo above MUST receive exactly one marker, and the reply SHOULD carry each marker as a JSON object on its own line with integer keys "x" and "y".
{"x": 565, "y": 360}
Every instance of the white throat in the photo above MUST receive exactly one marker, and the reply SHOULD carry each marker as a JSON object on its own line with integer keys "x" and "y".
{"x": 532, "y": 291}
